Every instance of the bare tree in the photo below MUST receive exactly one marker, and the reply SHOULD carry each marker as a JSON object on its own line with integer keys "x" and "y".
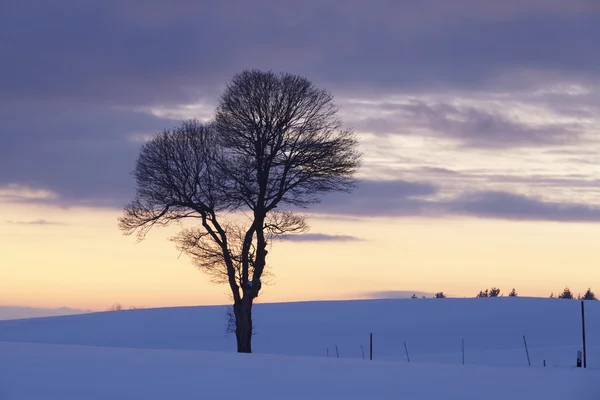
{"x": 115, "y": 307}
{"x": 276, "y": 145}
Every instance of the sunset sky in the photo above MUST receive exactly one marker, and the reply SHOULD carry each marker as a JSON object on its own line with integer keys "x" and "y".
{"x": 479, "y": 121}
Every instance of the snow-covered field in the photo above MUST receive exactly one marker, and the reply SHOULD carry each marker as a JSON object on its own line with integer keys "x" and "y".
{"x": 37, "y": 371}
{"x": 180, "y": 353}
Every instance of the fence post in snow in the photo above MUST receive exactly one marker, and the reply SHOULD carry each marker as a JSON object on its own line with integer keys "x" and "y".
{"x": 406, "y": 349}
{"x": 327, "y": 352}
{"x": 583, "y": 333}
{"x": 371, "y": 346}
{"x": 337, "y": 353}
{"x": 463, "y": 351}
{"x": 362, "y": 351}
{"x": 526, "y": 350}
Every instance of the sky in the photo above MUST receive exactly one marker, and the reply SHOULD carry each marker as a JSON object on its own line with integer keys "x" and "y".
{"x": 479, "y": 122}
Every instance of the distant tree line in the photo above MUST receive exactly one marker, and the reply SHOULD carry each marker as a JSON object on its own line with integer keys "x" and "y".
{"x": 567, "y": 294}
{"x": 495, "y": 292}
{"x": 120, "y": 307}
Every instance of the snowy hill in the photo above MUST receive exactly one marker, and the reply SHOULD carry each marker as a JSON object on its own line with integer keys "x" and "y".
{"x": 433, "y": 329}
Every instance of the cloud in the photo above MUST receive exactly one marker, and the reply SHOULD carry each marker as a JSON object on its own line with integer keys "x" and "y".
{"x": 72, "y": 106}
{"x": 71, "y": 154}
{"x": 378, "y": 198}
{"x": 321, "y": 237}
{"x": 468, "y": 125}
{"x": 173, "y": 52}
{"x": 14, "y": 192}
{"x": 36, "y": 222}
{"x": 17, "y": 312}
{"x": 510, "y": 206}
{"x": 407, "y": 199}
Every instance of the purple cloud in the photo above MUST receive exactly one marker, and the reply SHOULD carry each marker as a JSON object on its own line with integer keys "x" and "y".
{"x": 36, "y": 222}
{"x": 83, "y": 153}
{"x": 405, "y": 199}
{"x": 74, "y": 73}
{"x": 378, "y": 198}
{"x": 468, "y": 126}
{"x": 115, "y": 53}
{"x": 321, "y": 237}
{"x": 510, "y": 206}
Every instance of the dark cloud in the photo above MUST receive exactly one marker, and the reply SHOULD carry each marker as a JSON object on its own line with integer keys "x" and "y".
{"x": 321, "y": 237}
{"x": 510, "y": 206}
{"x": 84, "y": 154}
{"x": 117, "y": 53}
{"x": 378, "y": 198}
{"x": 74, "y": 72}
{"x": 404, "y": 199}
{"x": 492, "y": 177}
{"x": 36, "y": 222}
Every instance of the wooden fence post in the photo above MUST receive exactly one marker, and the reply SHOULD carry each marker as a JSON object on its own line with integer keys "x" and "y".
{"x": 526, "y": 350}
{"x": 583, "y": 333}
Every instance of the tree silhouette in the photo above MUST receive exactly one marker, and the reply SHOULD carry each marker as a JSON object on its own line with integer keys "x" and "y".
{"x": 493, "y": 292}
{"x": 440, "y": 295}
{"x": 566, "y": 294}
{"x": 115, "y": 307}
{"x": 513, "y": 293}
{"x": 589, "y": 295}
{"x": 276, "y": 144}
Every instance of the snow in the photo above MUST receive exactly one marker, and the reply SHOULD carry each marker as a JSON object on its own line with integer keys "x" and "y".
{"x": 37, "y": 371}
{"x": 183, "y": 352}
{"x": 433, "y": 329}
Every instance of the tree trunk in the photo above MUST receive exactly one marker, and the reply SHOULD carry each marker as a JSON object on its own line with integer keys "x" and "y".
{"x": 243, "y": 325}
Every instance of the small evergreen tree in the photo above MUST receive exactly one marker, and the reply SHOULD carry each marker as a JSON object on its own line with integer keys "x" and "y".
{"x": 566, "y": 294}
{"x": 552, "y": 295}
{"x": 589, "y": 295}
{"x": 513, "y": 293}
{"x": 440, "y": 295}
{"x": 483, "y": 294}
{"x": 414, "y": 296}
{"x": 494, "y": 292}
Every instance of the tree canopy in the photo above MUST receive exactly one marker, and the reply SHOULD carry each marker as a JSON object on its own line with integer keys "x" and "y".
{"x": 275, "y": 146}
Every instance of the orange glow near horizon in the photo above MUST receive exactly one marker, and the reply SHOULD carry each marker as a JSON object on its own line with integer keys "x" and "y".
{"x": 85, "y": 262}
